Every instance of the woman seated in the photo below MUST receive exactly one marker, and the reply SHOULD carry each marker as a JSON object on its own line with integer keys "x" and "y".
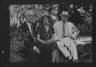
{"x": 45, "y": 37}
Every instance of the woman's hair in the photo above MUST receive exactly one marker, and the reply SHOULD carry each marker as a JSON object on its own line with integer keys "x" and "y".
{"x": 49, "y": 18}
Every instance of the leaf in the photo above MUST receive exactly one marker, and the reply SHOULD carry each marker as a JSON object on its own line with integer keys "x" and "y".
{"x": 25, "y": 39}
{"x": 15, "y": 57}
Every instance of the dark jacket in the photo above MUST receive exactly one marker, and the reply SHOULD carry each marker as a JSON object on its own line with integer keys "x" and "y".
{"x": 28, "y": 52}
{"x": 30, "y": 40}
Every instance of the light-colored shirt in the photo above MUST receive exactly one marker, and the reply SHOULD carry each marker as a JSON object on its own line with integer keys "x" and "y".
{"x": 68, "y": 29}
{"x": 58, "y": 29}
{"x": 29, "y": 26}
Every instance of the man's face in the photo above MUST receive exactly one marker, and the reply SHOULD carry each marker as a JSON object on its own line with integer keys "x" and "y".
{"x": 64, "y": 18}
{"x": 29, "y": 17}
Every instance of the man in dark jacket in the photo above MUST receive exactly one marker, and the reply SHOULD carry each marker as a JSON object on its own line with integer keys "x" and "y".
{"x": 31, "y": 51}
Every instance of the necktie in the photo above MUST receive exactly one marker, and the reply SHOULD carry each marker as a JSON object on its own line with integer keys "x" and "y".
{"x": 63, "y": 30}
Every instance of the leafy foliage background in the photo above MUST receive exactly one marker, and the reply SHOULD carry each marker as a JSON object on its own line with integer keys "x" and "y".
{"x": 17, "y": 17}
{"x": 17, "y": 12}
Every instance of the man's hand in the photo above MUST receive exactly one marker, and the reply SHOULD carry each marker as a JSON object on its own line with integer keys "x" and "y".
{"x": 36, "y": 49}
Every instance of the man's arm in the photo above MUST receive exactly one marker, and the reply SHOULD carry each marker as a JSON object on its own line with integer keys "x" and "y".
{"x": 55, "y": 29}
{"x": 73, "y": 31}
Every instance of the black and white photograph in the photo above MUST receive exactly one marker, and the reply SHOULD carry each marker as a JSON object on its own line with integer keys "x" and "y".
{"x": 58, "y": 32}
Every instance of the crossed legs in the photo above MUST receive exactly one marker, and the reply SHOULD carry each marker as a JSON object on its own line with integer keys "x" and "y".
{"x": 69, "y": 43}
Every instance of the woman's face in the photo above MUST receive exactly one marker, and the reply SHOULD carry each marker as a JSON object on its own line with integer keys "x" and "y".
{"x": 46, "y": 20}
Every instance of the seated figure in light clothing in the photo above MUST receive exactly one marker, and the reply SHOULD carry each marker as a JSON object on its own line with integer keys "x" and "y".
{"x": 65, "y": 33}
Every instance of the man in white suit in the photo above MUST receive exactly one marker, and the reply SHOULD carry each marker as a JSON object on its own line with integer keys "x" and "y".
{"x": 65, "y": 32}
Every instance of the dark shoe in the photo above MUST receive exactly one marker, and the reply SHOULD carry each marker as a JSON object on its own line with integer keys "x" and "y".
{"x": 70, "y": 61}
{"x": 75, "y": 61}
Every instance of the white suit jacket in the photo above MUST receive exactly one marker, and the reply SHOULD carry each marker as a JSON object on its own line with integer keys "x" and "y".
{"x": 70, "y": 29}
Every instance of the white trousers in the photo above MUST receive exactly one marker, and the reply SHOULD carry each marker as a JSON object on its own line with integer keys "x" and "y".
{"x": 67, "y": 46}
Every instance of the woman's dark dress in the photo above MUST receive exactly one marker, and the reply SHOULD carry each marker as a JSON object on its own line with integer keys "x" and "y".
{"x": 46, "y": 50}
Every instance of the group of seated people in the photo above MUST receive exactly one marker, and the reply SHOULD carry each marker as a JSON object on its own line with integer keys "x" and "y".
{"x": 46, "y": 38}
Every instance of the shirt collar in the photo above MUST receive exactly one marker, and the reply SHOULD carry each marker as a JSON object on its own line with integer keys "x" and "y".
{"x": 29, "y": 26}
{"x": 65, "y": 22}
{"x": 28, "y": 23}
